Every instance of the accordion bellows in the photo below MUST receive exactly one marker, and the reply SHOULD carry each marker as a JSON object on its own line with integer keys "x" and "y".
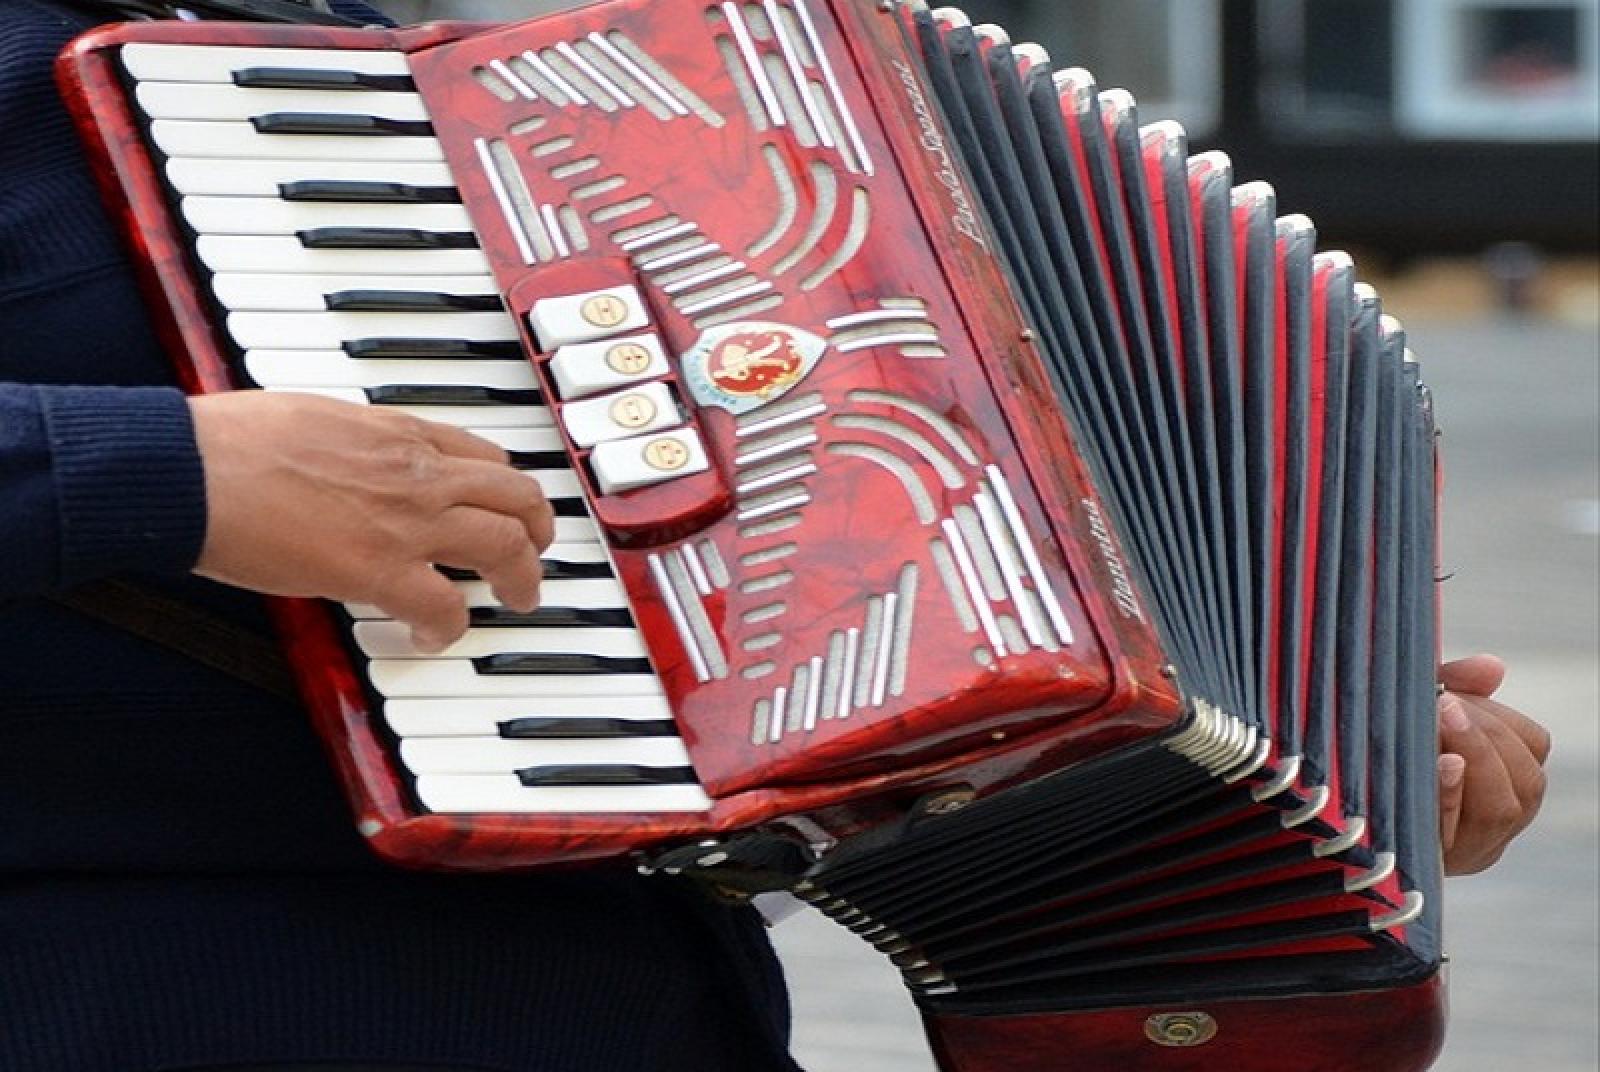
{"x": 976, "y": 515}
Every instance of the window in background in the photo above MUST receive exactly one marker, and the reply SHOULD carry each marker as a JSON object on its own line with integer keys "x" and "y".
{"x": 1168, "y": 53}
{"x": 1512, "y": 70}
{"x": 1327, "y": 66}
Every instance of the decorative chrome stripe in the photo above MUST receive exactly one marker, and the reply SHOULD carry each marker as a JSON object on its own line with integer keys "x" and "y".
{"x": 1030, "y": 555}
{"x": 875, "y": 316}
{"x": 1004, "y": 552}
{"x": 789, "y": 502}
{"x": 802, "y": 85}
{"x": 672, "y": 260}
{"x": 880, "y": 671}
{"x": 639, "y": 74}
{"x": 710, "y": 275}
{"x": 780, "y": 708}
{"x": 669, "y": 595}
{"x": 595, "y": 75}
{"x": 655, "y": 238}
{"x": 813, "y": 693}
{"x": 782, "y": 421}
{"x": 551, "y": 75}
{"x": 798, "y": 472}
{"x": 752, "y": 62}
{"x": 776, "y": 450}
{"x": 502, "y": 195}
{"x": 762, "y": 713}
{"x": 732, "y": 296}
{"x": 975, "y": 592}
{"x": 847, "y": 685}
{"x": 526, "y": 91}
{"x": 901, "y": 339}
{"x": 840, "y": 103}
{"x": 553, "y": 227}
{"x": 697, "y": 569}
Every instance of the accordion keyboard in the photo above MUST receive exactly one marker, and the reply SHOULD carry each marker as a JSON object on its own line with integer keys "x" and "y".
{"x": 346, "y": 266}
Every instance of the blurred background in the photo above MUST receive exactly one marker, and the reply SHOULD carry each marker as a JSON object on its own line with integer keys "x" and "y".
{"x": 1451, "y": 145}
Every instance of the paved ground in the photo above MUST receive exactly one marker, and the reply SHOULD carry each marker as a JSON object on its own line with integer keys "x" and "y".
{"x": 1519, "y": 403}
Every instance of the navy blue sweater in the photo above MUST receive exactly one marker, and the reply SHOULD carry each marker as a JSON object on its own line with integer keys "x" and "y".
{"x": 179, "y": 881}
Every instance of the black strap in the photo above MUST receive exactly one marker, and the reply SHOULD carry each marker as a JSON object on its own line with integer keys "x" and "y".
{"x": 196, "y": 634}
{"x": 297, "y": 11}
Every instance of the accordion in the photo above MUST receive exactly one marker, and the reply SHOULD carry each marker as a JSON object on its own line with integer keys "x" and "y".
{"x": 976, "y": 515}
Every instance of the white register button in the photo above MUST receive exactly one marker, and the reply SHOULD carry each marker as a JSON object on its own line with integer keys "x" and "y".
{"x": 598, "y": 314}
{"x": 585, "y": 368}
{"x": 636, "y": 463}
{"x": 649, "y": 407}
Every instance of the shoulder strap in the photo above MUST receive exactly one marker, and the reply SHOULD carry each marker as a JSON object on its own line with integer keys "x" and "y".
{"x": 196, "y": 634}
{"x": 302, "y": 11}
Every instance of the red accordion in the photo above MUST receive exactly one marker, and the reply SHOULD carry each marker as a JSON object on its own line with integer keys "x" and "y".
{"x": 975, "y": 515}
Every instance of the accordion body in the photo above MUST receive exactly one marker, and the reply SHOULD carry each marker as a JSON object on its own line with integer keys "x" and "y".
{"x": 974, "y": 515}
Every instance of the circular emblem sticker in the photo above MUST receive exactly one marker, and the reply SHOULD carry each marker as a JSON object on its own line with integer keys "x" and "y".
{"x": 743, "y": 366}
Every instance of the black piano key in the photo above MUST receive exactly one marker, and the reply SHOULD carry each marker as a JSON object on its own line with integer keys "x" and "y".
{"x": 385, "y": 238}
{"x": 310, "y": 78}
{"x": 553, "y": 617}
{"x": 593, "y": 729}
{"x": 569, "y": 507}
{"x": 417, "y": 394}
{"x": 564, "y": 663}
{"x": 410, "y": 301}
{"x": 351, "y": 190}
{"x": 352, "y": 125}
{"x": 538, "y": 459}
{"x": 400, "y": 348}
{"x": 605, "y": 774}
{"x": 555, "y": 569}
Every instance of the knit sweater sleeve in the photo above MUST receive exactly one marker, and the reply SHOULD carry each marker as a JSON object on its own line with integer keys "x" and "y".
{"x": 96, "y": 481}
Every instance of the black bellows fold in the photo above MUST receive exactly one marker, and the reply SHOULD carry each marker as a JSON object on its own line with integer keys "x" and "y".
{"x": 1263, "y": 445}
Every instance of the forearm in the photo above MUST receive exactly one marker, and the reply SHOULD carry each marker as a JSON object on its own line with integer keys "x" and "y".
{"x": 96, "y": 481}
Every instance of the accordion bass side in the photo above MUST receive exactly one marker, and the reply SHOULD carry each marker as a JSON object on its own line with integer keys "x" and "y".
{"x": 975, "y": 515}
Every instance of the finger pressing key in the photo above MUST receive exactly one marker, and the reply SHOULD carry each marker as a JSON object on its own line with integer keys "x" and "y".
{"x": 494, "y": 545}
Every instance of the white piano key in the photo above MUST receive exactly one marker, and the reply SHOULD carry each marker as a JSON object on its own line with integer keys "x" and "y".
{"x": 275, "y": 253}
{"x": 204, "y": 139}
{"x": 469, "y": 417}
{"x": 327, "y": 331}
{"x": 216, "y": 63}
{"x": 181, "y": 100}
{"x": 261, "y": 178}
{"x": 598, "y": 593}
{"x": 419, "y": 678}
{"x": 482, "y": 716}
{"x": 262, "y": 292}
{"x": 332, "y": 368}
{"x": 525, "y": 439}
{"x": 274, "y": 216}
{"x": 489, "y": 793}
{"x": 392, "y": 640}
{"x": 558, "y": 483}
{"x": 496, "y": 755}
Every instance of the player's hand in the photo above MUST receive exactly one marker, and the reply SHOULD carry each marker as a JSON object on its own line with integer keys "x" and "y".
{"x": 1491, "y": 766}
{"x": 307, "y": 496}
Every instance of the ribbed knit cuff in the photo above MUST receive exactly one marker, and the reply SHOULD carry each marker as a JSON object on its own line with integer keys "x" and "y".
{"x": 131, "y": 492}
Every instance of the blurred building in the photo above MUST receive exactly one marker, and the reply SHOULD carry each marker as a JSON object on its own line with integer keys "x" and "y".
{"x": 1409, "y": 126}
{"x": 1404, "y": 125}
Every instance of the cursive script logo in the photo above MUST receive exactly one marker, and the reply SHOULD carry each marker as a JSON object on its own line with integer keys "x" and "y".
{"x": 1121, "y": 587}
{"x": 964, "y": 217}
